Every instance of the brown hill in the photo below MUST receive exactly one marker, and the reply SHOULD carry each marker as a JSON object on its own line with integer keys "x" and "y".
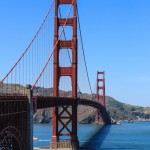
{"x": 116, "y": 109}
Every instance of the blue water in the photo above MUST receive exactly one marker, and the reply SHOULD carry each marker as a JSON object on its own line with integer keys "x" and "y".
{"x": 127, "y": 136}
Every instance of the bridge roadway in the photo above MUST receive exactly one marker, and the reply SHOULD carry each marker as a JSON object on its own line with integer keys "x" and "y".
{"x": 46, "y": 102}
{"x": 15, "y": 110}
{"x": 41, "y": 102}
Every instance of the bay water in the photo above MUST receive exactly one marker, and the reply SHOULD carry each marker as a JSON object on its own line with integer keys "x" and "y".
{"x": 127, "y": 136}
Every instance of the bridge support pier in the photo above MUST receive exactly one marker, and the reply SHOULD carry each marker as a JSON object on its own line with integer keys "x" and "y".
{"x": 73, "y": 143}
{"x": 65, "y": 144}
{"x": 99, "y": 118}
{"x": 30, "y": 118}
{"x": 102, "y": 118}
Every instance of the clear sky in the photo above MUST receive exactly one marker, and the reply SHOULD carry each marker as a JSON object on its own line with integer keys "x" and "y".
{"x": 116, "y": 35}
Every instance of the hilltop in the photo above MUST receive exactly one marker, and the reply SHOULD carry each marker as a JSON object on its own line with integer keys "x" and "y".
{"x": 123, "y": 111}
{"x": 116, "y": 109}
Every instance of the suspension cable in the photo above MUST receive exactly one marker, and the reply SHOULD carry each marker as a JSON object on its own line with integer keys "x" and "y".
{"x": 83, "y": 51}
{"x": 29, "y": 43}
{"x": 68, "y": 51}
{"x": 53, "y": 48}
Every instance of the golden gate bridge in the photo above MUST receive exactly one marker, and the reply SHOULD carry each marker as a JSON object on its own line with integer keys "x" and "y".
{"x": 47, "y": 74}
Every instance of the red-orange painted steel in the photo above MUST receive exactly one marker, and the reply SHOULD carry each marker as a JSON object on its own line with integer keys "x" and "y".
{"x": 65, "y": 71}
{"x": 100, "y": 91}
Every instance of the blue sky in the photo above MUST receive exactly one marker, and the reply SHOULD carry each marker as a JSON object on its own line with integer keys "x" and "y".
{"x": 116, "y": 35}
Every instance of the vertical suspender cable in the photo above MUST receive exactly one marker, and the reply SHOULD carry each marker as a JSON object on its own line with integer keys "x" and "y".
{"x": 69, "y": 54}
{"x": 53, "y": 50}
{"x": 83, "y": 51}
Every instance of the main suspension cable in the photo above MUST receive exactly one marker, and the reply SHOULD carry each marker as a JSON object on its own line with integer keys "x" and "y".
{"x": 53, "y": 48}
{"x": 83, "y": 51}
{"x": 29, "y": 43}
{"x": 68, "y": 51}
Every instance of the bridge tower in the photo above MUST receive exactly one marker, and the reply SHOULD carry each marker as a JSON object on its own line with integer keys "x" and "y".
{"x": 58, "y": 112}
{"x": 100, "y": 93}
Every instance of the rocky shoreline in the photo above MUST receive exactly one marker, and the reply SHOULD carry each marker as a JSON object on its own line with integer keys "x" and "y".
{"x": 86, "y": 115}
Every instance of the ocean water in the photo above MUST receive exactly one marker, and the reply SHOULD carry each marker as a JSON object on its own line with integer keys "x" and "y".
{"x": 127, "y": 136}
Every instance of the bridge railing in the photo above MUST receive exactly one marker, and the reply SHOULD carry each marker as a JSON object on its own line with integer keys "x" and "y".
{"x": 13, "y": 122}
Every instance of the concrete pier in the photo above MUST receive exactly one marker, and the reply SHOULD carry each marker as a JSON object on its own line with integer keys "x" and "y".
{"x": 29, "y": 94}
{"x": 64, "y": 145}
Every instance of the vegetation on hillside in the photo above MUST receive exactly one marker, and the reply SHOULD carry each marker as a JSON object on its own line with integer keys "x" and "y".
{"x": 122, "y": 111}
{"x": 116, "y": 109}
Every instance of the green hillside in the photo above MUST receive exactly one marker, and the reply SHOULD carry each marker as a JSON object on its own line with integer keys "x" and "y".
{"x": 122, "y": 111}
